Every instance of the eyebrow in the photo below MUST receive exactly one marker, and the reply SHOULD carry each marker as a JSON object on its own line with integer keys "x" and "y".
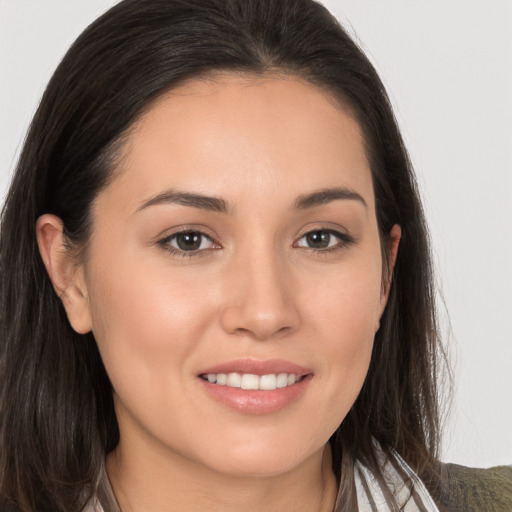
{"x": 219, "y": 205}
{"x": 214, "y": 204}
{"x": 327, "y": 195}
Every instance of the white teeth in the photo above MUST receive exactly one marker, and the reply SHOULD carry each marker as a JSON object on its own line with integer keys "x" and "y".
{"x": 234, "y": 380}
{"x": 252, "y": 382}
{"x": 268, "y": 382}
{"x": 222, "y": 379}
{"x": 282, "y": 380}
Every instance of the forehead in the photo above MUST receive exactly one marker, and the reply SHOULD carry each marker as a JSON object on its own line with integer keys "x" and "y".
{"x": 234, "y": 135}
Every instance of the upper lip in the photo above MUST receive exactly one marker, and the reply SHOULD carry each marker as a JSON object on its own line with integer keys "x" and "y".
{"x": 257, "y": 367}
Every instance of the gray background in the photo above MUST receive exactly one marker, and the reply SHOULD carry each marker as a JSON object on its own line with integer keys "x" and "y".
{"x": 447, "y": 66}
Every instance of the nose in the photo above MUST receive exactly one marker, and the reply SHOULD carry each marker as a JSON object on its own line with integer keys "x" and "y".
{"x": 261, "y": 300}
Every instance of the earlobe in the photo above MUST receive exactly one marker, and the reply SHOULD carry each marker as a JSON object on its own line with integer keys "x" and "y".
{"x": 67, "y": 278}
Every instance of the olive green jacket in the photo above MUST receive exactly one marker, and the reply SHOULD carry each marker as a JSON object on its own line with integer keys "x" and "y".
{"x": 474, "y": 490}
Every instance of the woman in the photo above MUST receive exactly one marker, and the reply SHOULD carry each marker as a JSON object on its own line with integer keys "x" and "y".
{"x": 216, "y": 285}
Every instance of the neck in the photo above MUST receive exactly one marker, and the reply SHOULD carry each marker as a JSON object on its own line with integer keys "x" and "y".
{"x": 145, "y": 483}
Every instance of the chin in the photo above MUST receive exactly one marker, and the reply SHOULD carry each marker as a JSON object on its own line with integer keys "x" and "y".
{"x": 262, "y": 462}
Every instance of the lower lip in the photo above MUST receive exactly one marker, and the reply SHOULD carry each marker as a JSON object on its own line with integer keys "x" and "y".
{"x": 256, "y": 401}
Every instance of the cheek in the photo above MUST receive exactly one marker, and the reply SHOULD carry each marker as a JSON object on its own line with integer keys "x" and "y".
{"x": 346, "y": 303}
{"x": 343, "y": 320}
{"x": 146, "y": 322}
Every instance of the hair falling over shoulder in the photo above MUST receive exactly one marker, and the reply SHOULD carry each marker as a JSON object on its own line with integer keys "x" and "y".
{"x": 57, "y": 420}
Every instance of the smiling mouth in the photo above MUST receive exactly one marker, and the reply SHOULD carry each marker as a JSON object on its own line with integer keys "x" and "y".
{"x": 249, "y": 381}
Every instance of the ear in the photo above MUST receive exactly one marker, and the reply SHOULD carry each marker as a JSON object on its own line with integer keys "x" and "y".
{"x": 67, "y": 278}
{"x": 392, "y": 246}
{"x": 394, "y": 236}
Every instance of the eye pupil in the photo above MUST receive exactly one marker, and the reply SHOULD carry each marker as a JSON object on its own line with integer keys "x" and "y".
{"x": 318, "y": 239}
{"x": 188, "y": 241}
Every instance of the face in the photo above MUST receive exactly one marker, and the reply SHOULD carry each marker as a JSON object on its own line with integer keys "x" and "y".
{"x": 238, "y": 246}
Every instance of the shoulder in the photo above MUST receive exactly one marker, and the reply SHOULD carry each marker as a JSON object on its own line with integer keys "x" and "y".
{"x": 474, "y": 490}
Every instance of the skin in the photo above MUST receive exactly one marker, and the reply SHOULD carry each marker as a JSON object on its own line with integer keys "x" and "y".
{"x": 254, "y": 289}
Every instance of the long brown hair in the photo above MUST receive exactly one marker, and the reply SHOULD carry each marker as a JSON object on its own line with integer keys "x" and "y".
{"x": 57, "y": 419}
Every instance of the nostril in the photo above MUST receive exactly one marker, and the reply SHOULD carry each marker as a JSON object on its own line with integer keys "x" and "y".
{"x": 263, "y": 332}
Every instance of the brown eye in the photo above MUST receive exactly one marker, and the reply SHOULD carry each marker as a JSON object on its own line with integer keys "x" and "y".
{"x": 322, "y": 239}
{"x": 318, "y": 239}
{"x": 189, "y": 241}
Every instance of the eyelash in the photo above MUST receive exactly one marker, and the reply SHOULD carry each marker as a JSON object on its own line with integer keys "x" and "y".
{"x": 344, "y": 241}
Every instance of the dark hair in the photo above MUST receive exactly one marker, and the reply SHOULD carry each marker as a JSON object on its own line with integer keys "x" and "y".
{"x": 57, "y": 419}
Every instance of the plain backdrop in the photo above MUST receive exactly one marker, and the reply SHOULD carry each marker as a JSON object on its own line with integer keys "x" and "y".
{"x": 447, "y": 65}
